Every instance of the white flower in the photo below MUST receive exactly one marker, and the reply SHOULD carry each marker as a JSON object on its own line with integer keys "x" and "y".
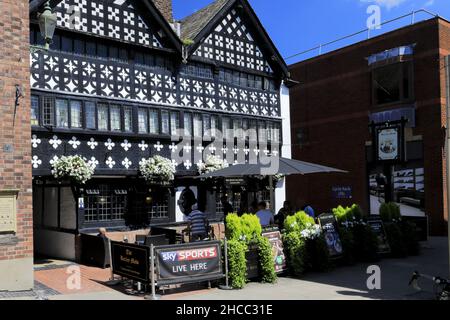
{"x": 73, "y": 167}
{"x": 212, "y": 164}
{"x": 158, "y": 167}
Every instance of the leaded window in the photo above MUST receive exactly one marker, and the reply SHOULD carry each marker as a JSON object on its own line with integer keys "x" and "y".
{"x": 174, "y": 123}
{"x": 103, "y": 203}
{"x": 128, "y": 119}
{"x": 34, "y": 110}
{"x": 143, "y": 120}
{"x": 165, "y": 122}
{"x": 62, "y": 113}
{"x": 154, "y": 121}
{"x": 187, "y": 124}
{"x": 115, "y": 118}
{"x": 198, "y": 124}
{"x": 75, "y": 114}
{"x": 89, "y": 115}
{"x": 102, "y": 111}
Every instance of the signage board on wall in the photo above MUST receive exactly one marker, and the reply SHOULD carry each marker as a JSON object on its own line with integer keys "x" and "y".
{"x": 388, "y": 145}
{"x": 131, "y": 261}
{"x": 190, "y": 262}
{"x": 329, "y": 227}
{"x": 277, "y": 250}
{"x": 342, "y": 192}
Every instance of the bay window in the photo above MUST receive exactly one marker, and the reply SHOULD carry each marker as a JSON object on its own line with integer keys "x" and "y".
{"x": 115, "y": 118}
{"x": 154, "y": 121}
{"x": 142, "y": 120}
{"x": 89, "y": 115}
{"x": 128, "y": 119}
{"x": 102, "y": 114}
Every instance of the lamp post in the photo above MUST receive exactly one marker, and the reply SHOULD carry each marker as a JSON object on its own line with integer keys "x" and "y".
{"x": 47, "y": 24}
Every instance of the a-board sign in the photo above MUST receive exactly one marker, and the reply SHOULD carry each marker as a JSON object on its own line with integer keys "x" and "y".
{"x": 378, "y": 228}
{"x": 190, "y": 262}
{"x": 330, "y": 230}
{"x": 277, "y": 250}
{"x": 131, "y": 261}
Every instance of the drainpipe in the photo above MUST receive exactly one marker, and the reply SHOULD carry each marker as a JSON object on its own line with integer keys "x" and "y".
{"x": 447, "y": 76}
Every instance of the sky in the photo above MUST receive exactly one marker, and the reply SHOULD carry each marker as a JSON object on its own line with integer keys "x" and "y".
{"x": 298, "y": 25}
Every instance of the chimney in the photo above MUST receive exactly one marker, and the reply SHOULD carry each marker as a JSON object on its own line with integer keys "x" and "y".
{"x": 165, "y": 7}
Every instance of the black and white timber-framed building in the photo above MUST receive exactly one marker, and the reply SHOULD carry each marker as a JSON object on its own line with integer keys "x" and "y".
{"x": 119, "y": 79}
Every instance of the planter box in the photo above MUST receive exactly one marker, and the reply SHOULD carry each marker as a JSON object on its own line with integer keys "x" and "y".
{"x": 253, "y": 264}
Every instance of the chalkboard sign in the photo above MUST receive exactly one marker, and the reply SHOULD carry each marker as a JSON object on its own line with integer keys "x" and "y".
{"x": 329, "y": 227}
{"x": 190, "y": 262}
{"x": 131, "y": 261}
{"x": 277, "y": 250}
{"x": 378, "y": 228}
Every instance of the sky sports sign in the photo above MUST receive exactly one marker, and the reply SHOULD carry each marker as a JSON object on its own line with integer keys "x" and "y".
{"x": 189, "y": 262}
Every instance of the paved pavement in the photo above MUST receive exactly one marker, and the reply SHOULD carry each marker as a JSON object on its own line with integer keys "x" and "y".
{"x": 344, "y": 283}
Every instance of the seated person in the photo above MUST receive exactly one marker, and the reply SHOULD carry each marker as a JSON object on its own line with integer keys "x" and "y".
{"x": 102, "y": 233}
{"x": 284, "y": 212}
{"x": 264, "y": 215}
{"x": 309, "y": 211}
{"x": 198, "y": 224}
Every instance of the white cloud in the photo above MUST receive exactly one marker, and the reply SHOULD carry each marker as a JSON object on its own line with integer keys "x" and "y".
{"x": 388, "y": 4}
{"x": 429, "y": 3}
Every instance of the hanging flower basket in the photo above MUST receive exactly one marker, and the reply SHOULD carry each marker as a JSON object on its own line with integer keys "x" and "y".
{"x": 74, "y": 168}
{"x": 212, "y": 164}
{"x": 158, "y": 170}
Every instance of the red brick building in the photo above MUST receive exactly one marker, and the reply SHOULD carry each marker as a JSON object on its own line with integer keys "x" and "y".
{"x": 400, "y": 73}
{"x": 16, "y": 225}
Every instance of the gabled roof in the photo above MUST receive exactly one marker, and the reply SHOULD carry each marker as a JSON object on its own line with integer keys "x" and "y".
{"x": 148, "y": 4}
{"x": 192, "y": 25}
{"x": 198, "y": 25}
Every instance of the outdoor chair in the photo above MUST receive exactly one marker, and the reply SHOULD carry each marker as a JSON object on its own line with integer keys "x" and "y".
{"x": 95, "y": 251}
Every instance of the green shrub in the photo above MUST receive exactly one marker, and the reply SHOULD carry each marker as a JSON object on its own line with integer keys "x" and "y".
{"x": 348, "y": 214}
{"x": 297, "y": 222}
{"x": 268, "y": 274}
{"x": 233, "y": 229}
{"x": 295, "y": 250}
{"x": 251, "y": 227}
{"x": 396, "y": 239}
{"x": 237, "y": 264}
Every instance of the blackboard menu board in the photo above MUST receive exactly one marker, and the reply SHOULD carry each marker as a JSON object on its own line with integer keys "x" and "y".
{"x": 378, "y": 228}
{"x": 131, "y": 261}
{"x": 330, "y": 230}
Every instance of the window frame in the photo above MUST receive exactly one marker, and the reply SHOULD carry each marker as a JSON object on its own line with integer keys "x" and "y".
{"x": 403, "y": 65}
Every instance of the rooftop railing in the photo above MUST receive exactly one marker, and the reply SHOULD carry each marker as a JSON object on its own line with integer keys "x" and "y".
{"x": 368, "y": 32}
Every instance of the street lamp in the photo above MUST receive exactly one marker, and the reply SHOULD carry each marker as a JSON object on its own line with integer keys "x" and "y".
{"x": 47, "y": 24}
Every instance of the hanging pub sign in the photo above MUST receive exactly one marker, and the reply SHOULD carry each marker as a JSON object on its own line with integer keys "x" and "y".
{"x": 131, "y": 261}
{"x": 277, "y": 250}
{"x": 186, "y": 263}
{"x": 328, "y": 223}
{"x": 377, "y": 227}
{"x": 389, "y": 141}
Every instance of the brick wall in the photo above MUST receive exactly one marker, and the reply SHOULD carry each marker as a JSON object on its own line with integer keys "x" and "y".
{"x": 165, "y": 6}
{"x": 332, "y": 105}
{"x": 16, "y": 250}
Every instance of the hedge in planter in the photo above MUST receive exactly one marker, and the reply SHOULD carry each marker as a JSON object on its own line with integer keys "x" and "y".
{"x": 237, "y": 264}
{"x": 247, "y": 231}
{"x": 305, "y": 245}
{"x": 402, "y": 235}
{"x": 358, "y": 240}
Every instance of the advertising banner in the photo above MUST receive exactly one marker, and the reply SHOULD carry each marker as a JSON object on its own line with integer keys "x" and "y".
{"x": 131, "y": 261}
{"x": 329, "y": 227}
{"x": 188, "y": 262}
{"x": 277, "y": 250}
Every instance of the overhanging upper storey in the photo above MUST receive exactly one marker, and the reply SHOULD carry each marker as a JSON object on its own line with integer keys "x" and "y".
{"x": 137, "y": 22}
{"x": 228, "y": 33}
